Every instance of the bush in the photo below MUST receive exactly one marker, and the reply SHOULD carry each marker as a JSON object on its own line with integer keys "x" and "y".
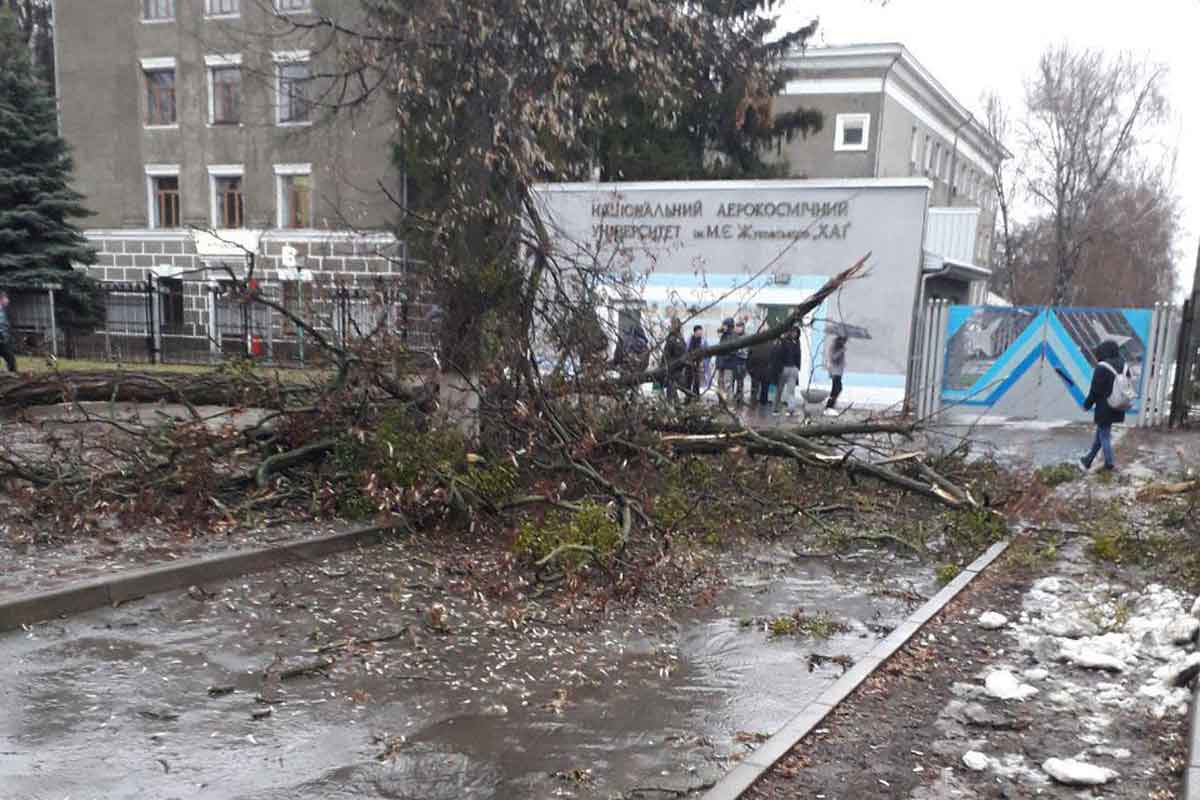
{"x": 591, "y": 527}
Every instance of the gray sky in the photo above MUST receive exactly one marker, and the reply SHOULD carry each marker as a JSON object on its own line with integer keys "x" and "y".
{"x": 971, "y": 47}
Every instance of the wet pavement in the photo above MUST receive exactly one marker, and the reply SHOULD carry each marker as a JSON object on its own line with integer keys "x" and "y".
{"x": 254, "y": 688}
{"x": 1024, "y": 444}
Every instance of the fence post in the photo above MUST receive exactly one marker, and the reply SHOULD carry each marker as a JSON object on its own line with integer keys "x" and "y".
{"x": 939, "y": 350}
{"x": 1183, "y": 365}
{"x": 1168, "y": 351}
{"x": 53, "y": 325}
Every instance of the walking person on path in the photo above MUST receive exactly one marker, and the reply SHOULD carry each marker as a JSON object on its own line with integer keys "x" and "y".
{"x": 6, "y": 351}
{"x": 835, "y": 362}
{"x": 1111, "y": 395}
{"x": 787, "y": 367}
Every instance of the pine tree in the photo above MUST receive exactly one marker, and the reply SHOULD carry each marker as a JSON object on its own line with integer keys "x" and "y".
{"x": 38, "y": 242}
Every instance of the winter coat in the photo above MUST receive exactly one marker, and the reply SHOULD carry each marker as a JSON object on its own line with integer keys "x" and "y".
{"x": 673, "y": 350}
{"x": 787, "y": 354}
{"x": 1102, "y": 385}
{"x": 5, "y": 330}
{"x": 759, "y": 362}
{"x": 728, "y": 360}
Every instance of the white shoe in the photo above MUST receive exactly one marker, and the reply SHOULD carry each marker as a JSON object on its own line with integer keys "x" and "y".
{"x": 774, "y": 413}
{"x": 830, "y": 412}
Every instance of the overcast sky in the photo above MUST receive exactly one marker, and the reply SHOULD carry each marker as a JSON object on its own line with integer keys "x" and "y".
{"x": 972, "y": 46}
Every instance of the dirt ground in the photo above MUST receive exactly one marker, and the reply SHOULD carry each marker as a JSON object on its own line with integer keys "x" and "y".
{"x": 902, "y": 734}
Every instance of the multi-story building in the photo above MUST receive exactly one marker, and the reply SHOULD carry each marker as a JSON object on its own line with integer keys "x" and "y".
{"x": 886, "y": 116}
{"x": 203, "y": 130}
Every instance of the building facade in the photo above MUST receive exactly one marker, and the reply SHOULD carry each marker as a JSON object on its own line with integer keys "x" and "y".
{"x": 886, "y": 116}
{"x": 204, "y": 131}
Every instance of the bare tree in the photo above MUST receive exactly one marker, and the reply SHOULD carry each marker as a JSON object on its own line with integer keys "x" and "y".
{"x": 35, "y": 19}
{"x": 1087, "y": 115}
{"x": 1006, "y": 182}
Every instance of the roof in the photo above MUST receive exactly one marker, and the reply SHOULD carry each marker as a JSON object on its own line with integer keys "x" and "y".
{"x": 895, "y": 58}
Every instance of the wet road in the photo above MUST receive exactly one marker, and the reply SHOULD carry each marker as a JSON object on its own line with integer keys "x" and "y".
{"x": 487, "y": 699}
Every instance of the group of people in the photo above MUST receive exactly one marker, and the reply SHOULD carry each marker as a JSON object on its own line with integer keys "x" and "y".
{"x": 774, "y": 362}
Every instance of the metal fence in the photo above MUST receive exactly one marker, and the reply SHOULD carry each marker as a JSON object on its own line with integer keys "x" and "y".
{"x": 175, "y": 321}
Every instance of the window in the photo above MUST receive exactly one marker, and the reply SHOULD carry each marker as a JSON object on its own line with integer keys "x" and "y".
{"x": 296, "y": 194}
{"x": 292, "y": 6}
{"x": 160, "y": 97}
{"x": 226, "y": 88}
{"x": 222, "y": 8}
{"x": 293, "y": 90}
{"x": 166, "y": 201}
{"x": 158, "y": 10}
{"x": 228, "y": 211}
{"x": 851, "y": 132}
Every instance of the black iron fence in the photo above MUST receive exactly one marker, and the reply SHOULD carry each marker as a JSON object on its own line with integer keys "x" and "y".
{"x": 172, "y": 320}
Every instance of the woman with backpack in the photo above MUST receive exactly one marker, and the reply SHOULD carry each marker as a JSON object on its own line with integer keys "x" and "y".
{"x": 1112, "y": 395}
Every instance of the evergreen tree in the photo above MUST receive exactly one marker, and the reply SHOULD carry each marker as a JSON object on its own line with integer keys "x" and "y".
{"x": 730, "y": 123}
{"x": 38, "y": 242}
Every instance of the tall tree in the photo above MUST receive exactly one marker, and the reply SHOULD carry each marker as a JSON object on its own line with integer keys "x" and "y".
{"x": 35, "y": 20}
{"x": 493, "y": 96}
{"x": 727, "y": 121}
{"x": 1087, "y": 114}
{"x": 38, "y": 241}
{"x": 1128, "y": 260}
{"x": 1006, "y": 184}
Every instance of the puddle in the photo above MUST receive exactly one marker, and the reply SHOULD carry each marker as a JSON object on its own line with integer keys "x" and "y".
{"x": 115, "y": 703}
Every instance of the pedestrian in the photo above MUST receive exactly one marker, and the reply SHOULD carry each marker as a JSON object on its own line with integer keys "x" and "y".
{"x": 697, "y": 369}
{"x": 674, "y": 349}
{"x": 835, "y": 362}
{"x": 1111, "y": 395}
{"x": 726, "y": 362}
{"x": 787, "y": 363}
{"x": 740, "y": 362}
{"x": 758, "y": 365}
{"x": 6, "y": 351}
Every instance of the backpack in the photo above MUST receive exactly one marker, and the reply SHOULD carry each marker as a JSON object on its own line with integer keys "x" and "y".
{"x": 1122, "y": 396}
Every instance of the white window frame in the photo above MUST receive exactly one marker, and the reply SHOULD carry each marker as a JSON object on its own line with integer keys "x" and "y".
{"x": 212, "y": 62}
{"x": 308, "y": 7}
{"x": 283, "y": 171}
{"x": 914, "y": 149}
{"x": 281, "y": 59}
{"x": 159, "y": 171}
{"x": 158, "y": 20}
{"x": 839, "y": 133}
{"x": 224, "y": 171}
{"x": 210, "y": 14}
{"x": 161, "y": 64}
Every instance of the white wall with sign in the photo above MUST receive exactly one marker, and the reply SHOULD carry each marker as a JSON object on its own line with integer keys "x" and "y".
{"x": 733, "y": 248}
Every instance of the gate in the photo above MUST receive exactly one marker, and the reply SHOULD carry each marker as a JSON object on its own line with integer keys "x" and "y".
{"x": 1036, "y": 362}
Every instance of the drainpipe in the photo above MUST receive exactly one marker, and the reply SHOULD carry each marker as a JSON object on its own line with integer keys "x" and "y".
{"x": 887, "y": 73}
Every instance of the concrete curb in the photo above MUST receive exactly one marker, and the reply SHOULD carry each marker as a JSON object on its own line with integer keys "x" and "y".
{"x": 1191, "y": 775}
{"x": 756, "y": 764}
{"x": 30, "y": 607}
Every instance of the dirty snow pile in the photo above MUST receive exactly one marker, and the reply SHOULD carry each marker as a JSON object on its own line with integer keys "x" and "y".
{"x": 1091, "y": 651}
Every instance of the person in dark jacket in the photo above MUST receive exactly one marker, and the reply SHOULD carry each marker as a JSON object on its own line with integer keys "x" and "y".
{"x": 759, "y": 367}
{"x": 787, "y": 366}
{"x": 674, "y": 349}
{"x": 6, "y": 335}
{"x": 696, "y": 370}
{"x": 1105, "y": 416}
{"x": 731, "y": 372}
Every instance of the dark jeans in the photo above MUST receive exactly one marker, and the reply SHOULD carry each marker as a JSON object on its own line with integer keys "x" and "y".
{"x": 759, "y": 390}
{"x": 1103, "y": 441}
{"x": 837, "y": 390}
{"x": 7, "y": 354}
